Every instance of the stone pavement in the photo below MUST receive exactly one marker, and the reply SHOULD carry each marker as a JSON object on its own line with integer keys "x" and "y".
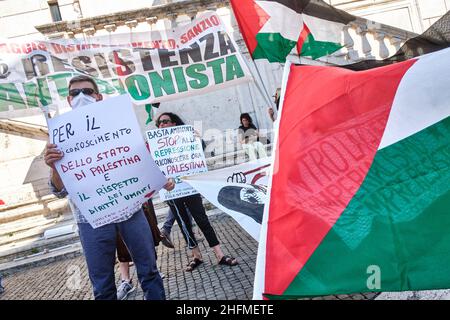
{"x": 67, "y": 279}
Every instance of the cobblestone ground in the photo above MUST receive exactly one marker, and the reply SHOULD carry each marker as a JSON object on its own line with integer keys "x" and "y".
{"x": 68, "y": 279}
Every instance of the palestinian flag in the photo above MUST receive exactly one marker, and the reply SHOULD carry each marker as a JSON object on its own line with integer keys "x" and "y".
{"x": 360, "y": 192}
{"x": 274, "y": 29}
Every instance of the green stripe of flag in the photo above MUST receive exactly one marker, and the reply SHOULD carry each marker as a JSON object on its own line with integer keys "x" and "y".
{"x": 316, "y": 49}
{"x": 273, "y": 47}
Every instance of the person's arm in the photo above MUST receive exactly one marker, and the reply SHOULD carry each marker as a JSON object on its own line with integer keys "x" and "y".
{"x": 56, "y": 180}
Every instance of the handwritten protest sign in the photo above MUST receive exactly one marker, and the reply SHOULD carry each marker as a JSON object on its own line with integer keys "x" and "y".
{"x": 106, "y": 169}
{"x": 193, "y": 59}
{"x": 177, "y": 152}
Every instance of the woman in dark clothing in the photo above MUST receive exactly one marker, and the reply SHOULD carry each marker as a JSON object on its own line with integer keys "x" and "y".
{"x": 249, "y": 138}
{"x": 195, "y": 205}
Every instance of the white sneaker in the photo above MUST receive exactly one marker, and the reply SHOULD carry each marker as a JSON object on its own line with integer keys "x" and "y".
{"x": 125, "y": 288}
{"x": 162, "y": 275}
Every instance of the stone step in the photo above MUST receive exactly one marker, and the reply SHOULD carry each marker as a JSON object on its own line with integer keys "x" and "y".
{"x": 41, "y": 258}
{"x": 51, "y": 208}
{"x": 31, "y": 229}
{"x": 28, "y": 201}
{"x": 34, "y": 245}
{"x": 21, "y": 225}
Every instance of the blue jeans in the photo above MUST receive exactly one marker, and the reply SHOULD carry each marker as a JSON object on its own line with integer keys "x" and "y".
{"x": 99, "y": 246}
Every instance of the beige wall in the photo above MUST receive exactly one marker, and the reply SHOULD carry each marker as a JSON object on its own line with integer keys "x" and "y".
{"x": 18, "y": 17}
{"x": 411, "y": 15}
{"x": 92, "y": 8}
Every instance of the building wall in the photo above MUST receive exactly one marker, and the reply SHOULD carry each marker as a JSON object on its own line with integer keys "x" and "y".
{"x": 411, "y": 15}
{"x": 18, "y": 17}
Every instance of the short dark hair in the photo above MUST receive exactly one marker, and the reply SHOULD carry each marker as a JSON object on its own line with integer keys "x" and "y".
{"x": 83, "y": 78}
{"x": 173, "y": 117}
{"x": 246, "y": 116}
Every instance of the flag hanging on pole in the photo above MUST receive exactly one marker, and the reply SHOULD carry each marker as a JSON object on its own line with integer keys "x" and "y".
{"x": 360, "y": 193}
{"x": 239, "y": 191}
{"x": 274, "y": 29}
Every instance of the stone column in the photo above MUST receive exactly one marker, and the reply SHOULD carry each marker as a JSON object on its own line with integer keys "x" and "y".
{"x": 362, "y": 30}
{"x": 352, "y": 54}
{"x": 384, "y": 51}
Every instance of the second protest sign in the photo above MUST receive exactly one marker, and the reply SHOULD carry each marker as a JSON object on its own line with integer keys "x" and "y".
{"x": 177, "y": 152}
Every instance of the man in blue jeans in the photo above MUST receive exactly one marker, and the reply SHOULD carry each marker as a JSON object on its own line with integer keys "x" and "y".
{"x": 99, "y": 245}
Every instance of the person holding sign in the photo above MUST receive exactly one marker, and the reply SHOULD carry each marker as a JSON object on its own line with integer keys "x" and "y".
{"x": 99, "y": 244}
{"x": 194, "y": 204}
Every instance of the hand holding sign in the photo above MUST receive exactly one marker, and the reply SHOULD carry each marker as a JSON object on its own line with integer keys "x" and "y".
{"x": 52, "y": 154}
{"x": 170, "y": 185}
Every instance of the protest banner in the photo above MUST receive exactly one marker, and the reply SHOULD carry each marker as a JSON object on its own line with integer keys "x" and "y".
{"x": 196, "y": 59}
{"x": 106, "y": 169}
{"x": 177, "y": 152}
{"x": 239, "y": 191}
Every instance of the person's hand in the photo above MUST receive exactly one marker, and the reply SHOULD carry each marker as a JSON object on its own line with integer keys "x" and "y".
{"x": 52, "y": 154}
{"x": 170, "y": 185}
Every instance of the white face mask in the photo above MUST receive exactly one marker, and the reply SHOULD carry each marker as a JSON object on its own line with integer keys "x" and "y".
{"x": 81, "y": 100}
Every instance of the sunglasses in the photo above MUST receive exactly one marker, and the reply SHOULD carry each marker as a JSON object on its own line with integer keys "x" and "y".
{"x": 86, "y": 91}
{"x": 163, "y": 121}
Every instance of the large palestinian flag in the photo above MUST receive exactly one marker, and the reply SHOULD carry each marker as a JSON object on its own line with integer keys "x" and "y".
{"x": 361, "y": 182}
{"x": 274, "y": 29}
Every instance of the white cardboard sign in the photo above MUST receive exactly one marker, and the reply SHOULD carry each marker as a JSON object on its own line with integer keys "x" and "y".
{"x": 106, "y": 169}
{"x": 177, "y": 152}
